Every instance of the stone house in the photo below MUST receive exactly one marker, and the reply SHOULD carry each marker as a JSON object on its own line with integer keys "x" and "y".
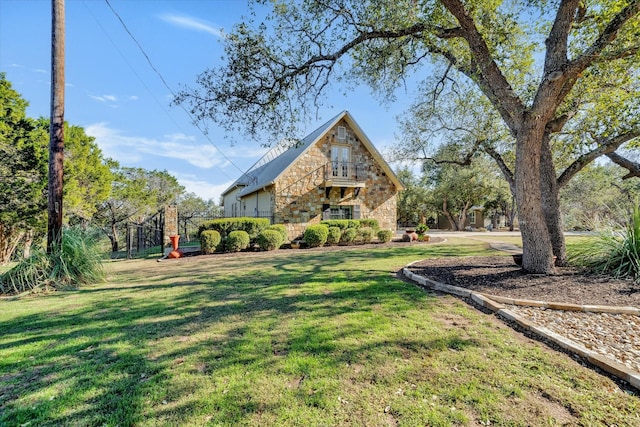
{"x": 335, "y": 172}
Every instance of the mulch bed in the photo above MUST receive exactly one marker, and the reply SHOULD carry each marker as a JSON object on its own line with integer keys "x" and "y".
{"x": 499, "y": 275}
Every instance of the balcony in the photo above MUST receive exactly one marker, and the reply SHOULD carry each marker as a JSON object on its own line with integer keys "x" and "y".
{"x": 344, "y": 175}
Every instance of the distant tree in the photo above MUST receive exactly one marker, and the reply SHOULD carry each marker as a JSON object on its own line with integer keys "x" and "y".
{"x": 599, "y": 197}
{"x": 135, "y": 195}
{"x": 269, "y": 81}
{"x": 456, "y": 189}
{"x": 414, "y": 206}
{"x": 192, "y": 211}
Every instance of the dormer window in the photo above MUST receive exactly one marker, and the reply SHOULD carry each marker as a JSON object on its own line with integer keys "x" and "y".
{"x": 342, "y": 133}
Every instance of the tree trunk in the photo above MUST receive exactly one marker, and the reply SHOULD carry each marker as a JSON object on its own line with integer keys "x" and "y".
{"x": 28, "y": 242}
{"x": 114, "y": 238}
{"x": 9, "y": 239}
{"x": 551, "y": 203}
{"x": 536, "y": 241}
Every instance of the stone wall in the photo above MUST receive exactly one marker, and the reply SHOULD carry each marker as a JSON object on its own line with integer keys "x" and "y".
{"x": 170, "y": 223}
{"x": 299, "y": 196}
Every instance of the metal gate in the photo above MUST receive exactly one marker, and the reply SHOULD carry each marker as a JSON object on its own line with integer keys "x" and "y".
{"x": 146, "y": 237}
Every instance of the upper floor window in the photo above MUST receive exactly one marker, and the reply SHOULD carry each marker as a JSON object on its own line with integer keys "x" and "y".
{"x": 342, "y": 133}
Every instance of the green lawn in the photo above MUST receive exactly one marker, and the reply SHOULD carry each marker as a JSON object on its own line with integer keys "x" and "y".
{"x": 287, "y": 338}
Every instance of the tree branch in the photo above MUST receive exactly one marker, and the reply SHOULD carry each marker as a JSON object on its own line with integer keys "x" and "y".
{"x": 492, "y": 82}
{"x": 632, "y": 167}
{"x": 606, "y": 147}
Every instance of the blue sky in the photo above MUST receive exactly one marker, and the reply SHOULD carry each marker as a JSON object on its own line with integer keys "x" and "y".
{"x": 115, "y": 95}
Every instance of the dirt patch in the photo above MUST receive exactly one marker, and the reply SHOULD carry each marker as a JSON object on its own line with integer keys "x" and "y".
{"x": 499, "y": 275}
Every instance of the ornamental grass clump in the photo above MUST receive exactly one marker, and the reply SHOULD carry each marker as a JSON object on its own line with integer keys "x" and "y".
{"x": 616, "y": 253}
{"x": 76, "y": 261}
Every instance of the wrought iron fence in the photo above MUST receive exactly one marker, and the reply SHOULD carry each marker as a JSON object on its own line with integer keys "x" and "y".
{"x": 145, "y": 237}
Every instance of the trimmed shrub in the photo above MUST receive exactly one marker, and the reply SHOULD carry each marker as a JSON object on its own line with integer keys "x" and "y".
{"x": 349, "y": 235}
{"x": 316, "y": 235}
{"x": 333, "y": 238}
{"x": 209, "y": 241}
{"x": 270, "y": 240}
{"x": 236, "y": 241}
{"x": 385, "y": 235}
{"x": 342, "y": 224}
{"x": 369, "y": 222}
{"x": 280, "y": 228}
{"x": 366, "y": 234}
{"x": 224, "y": 226}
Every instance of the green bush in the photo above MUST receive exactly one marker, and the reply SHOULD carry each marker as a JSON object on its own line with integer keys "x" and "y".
{"x": 616, "y": 253}
{"x": 77, "y": 261}
{"x": 280, "y": 228}
{"x": 421, "y": 229}
{"x": 349, "y": 235}
{"x": 209, "y": 241}
{"x": 369, "y": 222}
{"x": 385, "y": 235}
{"x": 366, "y": 234}
{"x": 224, "y": 226}
{"x": 270, "y": 240}
{"x": 333, "y": 237}
{"x": 316, "y": 235}
{"x": 342, "y": 224}
{"x": 236, "y": 241}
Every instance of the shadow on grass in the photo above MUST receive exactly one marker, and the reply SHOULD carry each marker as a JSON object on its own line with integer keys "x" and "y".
{"x": 109, "y": 354}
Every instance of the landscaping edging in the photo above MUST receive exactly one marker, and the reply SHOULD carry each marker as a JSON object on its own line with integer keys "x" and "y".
{"x": 496, "y": 304}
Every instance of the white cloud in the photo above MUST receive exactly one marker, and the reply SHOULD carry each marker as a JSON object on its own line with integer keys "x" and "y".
{"x": 200, "y": 187}
{"x": 129, "y": 149}
{"x": 192, "y": 24}
{"x": 104, "y": 98}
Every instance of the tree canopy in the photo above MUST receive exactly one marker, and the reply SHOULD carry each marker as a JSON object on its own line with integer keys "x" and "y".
{"x": 269, "y": 81}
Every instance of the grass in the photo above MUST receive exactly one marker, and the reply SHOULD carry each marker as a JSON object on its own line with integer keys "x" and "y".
{"x": 288, "y": 338}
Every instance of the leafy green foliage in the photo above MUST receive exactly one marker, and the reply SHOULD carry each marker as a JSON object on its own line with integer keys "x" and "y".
{"x": 421, "y": 229}
{"x": 316, "y": 235}
{"x": 366, "y": 234}
{"x": 252, "y": 226}
{"x": 369, "y": 222}
{"x": 341, "y": 223}
{"x": 333, "y": 236}
{"x": 385, "y": 236}
{"x": 269, "y": 240}
{"x": 616, "y": 253}
{"x": 209, "y": 241}
{"x": 349, "y": 235}
{"x": 236, "y": 241}
{"x": 280, "y": 228}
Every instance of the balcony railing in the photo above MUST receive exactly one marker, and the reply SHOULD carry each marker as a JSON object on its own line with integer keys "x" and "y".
{"x": 345, "y": 174}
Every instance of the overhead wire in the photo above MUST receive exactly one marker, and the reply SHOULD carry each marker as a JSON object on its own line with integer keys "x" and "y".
{"x": 164, "y": 82}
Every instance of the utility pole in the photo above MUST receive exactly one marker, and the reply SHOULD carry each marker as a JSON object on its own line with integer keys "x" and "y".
{"x": 56, "y": 129}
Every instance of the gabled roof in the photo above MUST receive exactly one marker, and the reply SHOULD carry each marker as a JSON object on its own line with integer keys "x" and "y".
{"x": 277, "y": 160}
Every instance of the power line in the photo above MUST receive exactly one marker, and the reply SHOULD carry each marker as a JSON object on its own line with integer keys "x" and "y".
{"x": 164, "y": 82}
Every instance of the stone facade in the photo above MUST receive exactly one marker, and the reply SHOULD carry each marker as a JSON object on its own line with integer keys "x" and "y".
{"x": 299, "y": 197}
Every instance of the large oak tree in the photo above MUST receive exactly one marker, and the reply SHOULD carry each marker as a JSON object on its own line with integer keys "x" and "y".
{"x": 277, "y": 72}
